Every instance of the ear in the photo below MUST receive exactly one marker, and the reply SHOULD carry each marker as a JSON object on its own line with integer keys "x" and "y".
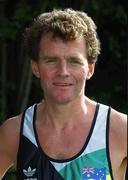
{"x": 91, "y": 68}
{"x": 35, "y": 68}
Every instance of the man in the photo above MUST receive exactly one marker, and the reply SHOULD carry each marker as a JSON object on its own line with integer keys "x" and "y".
{"x": 67, "y": 136}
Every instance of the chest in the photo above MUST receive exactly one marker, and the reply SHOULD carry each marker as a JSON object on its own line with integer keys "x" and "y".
{"x": 62, "y": 145}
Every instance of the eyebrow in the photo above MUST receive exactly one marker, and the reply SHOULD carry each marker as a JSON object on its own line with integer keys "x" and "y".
{"x": 47, "y": 57}
{"x": 57, "y": 57}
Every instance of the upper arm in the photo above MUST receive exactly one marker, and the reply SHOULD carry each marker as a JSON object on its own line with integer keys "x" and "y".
{"x": 118, "y": 143}
{"x": 119, "y": 131}
{"x": 9, "y": 138}
{"x": 123, "y": 132}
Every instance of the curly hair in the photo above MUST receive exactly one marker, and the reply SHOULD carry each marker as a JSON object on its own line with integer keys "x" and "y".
{"x": 66, "y": 24}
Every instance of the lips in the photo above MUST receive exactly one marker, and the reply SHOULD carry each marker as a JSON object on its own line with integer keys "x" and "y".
{"x": 62, "y": 84}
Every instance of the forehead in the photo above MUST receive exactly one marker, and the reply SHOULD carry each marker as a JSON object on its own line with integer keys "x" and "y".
{"x": 50, "y": 45}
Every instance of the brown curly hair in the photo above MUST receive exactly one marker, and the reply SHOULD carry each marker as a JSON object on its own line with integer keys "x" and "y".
{"x": 66, "y": 24}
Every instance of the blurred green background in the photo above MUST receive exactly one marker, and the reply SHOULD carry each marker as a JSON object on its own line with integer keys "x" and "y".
{"x": 18, "y": 87}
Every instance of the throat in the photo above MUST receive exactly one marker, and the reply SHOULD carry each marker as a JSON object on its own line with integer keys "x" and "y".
{"x": 62, "y": 117}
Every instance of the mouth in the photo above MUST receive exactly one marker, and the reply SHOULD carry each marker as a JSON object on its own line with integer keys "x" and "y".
{"x": 61, "y": 84}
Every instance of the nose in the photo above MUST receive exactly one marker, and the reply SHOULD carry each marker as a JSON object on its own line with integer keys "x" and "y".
{"x": 63, "y": 69}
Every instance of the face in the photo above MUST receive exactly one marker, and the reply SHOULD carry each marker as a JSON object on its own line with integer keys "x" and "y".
{"x": 62, "y": 68}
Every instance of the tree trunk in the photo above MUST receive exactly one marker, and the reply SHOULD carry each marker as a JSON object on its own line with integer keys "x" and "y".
{"x": 3, "y": 81}
{"x": 25, "y": 85}
{"x": 3, "y": 96}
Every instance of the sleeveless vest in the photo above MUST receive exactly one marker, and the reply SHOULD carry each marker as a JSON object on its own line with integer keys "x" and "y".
{"x": 91, "y": 163}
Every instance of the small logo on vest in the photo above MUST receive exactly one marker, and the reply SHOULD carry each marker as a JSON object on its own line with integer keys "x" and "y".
{"x": 29, "y": 173}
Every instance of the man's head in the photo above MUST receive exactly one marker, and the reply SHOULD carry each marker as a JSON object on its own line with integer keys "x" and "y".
{"x": 67, "y": 25}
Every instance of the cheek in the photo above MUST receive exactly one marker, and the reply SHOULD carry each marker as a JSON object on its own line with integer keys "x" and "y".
{"x": 45, "y": 74}
{"x": 81, "y": 75}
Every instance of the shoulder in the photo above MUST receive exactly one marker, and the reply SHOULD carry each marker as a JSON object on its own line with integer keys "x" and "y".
{"x": 118, "y": 121}
{"x": 11, "y": 125}
{"x": 118, "y": 129}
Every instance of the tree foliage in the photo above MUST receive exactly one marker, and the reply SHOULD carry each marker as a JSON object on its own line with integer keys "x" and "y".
{"x": 20, "y": 89}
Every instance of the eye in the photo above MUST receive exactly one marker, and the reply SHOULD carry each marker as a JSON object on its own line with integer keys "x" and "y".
{"x": 50, "y": 61}
{"x": 76, "y": 61}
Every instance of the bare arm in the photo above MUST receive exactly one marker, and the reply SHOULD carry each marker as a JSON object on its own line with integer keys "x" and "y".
{"x": 118, "y": 143}
{"x": 9, "y": 141}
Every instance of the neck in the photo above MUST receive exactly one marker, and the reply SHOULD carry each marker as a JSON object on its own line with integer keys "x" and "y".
{"x": 61, "y": 115}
